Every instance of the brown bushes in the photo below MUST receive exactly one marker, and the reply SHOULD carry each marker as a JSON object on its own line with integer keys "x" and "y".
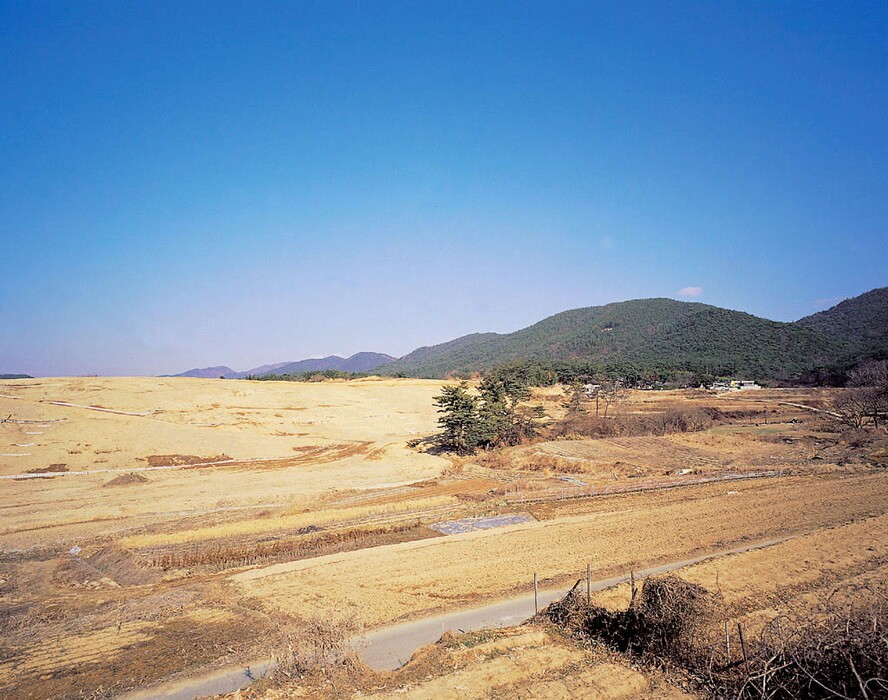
{"x": 537, "y": 462}
{"x": 830, "y": 651}
{"x": 667, "y": 619}
{"x": 673, "y": 420}
{"x": 494, "y": 459}
{"x": 313, "y": 645}
{"x": 127, "y": 480}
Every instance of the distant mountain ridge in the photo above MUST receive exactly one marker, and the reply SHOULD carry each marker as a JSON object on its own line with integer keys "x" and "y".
{"x": 357, "y": 363}
{"x": 650, "y": 334}
{"x": 204, "y": 372}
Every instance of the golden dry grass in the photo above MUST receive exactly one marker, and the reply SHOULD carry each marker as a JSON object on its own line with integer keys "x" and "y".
{"x": 287, "y": 521}
{"x": 335, "y": 456}
{"x": 617, "y": 535}
{"x": 200, "y": 418}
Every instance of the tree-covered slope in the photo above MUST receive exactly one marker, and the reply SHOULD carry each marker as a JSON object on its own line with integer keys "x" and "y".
{"x": 647, "y": 332}
{"x": 861, "y": 322}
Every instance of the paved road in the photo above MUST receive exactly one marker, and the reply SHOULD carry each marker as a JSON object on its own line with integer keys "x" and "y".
{"x": 389, "y": 648}
{"x": 223, "y": 681}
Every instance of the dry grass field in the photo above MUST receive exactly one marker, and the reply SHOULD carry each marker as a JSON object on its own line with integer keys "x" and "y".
{"x": 154, "y": 528}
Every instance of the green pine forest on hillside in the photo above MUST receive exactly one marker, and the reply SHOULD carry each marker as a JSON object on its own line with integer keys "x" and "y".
{"x": 656, "y": 341}
{"x": 862, "y": 322}
{"x": 652, "y": 340}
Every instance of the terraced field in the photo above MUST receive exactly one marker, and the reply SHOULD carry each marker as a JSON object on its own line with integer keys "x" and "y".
{"x": 156, "y": 528}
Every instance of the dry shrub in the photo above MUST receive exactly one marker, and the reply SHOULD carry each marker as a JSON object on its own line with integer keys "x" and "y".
{"x": 583, "y": 424}
{"x": 835, "y": 650}
{"x": 535, "y": 462}
{"x": 670, "y": 421}
{"x": 127, "y": 480}
{"x": 569, "y": 467}
{"x": 670, "y": 618}
{"x": 314, "y": 645}
{"x": 543, "y": 462}
{"x": 829, "y": 651}
{"x": 495, "y": 459}
{"x": 860, "y": 437}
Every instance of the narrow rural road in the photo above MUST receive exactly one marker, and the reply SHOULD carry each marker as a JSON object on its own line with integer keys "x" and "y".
{"x": 215, "y": 683}
{"x": 389, "y": 648}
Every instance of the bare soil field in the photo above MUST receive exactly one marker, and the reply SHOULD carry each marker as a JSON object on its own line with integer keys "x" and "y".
{"x": 155, "y": 528}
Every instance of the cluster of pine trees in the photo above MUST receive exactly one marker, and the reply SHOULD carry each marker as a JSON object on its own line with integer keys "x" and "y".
{"x": 490, "y": 418}
{"x": 315, "y": 376}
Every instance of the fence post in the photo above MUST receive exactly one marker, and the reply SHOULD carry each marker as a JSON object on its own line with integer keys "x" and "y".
{"x": 588, "y": 583}
{"x": 536, "y": 606}
{"x": 743, "y": 645}
{"x": 634, "y": 590}
{"x": 727, "y": 641}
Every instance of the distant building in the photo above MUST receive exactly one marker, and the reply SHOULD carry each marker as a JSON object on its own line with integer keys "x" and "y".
{"x": 744, "y": 384}
{"x": 735, "y": 385}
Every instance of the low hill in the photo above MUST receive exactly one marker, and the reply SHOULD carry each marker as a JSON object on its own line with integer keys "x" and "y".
{"x": 862, "y": 322}
{"x": 205, "y": 372}
{"x": 16, "y": 376}
{"x": 264, "y": 369}
{"x": 647, "y": 332}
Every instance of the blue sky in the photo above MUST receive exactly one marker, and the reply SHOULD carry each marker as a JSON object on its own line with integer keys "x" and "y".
{"x": 189, "y": 184}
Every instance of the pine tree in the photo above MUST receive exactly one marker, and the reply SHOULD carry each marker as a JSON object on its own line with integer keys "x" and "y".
{"x": 459, "y": 419}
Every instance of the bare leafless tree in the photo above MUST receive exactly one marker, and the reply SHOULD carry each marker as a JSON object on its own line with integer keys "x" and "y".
{"x": 865, "y": 401}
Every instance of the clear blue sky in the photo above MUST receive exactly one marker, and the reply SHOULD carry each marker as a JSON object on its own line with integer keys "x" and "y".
{"x": 188, "y": 184}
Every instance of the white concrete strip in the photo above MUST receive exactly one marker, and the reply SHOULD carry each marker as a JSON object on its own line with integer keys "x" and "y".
{"x": 104, "y": 410}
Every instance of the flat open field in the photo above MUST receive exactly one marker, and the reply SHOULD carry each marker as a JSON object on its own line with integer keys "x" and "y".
{"x": 158, "y": 527}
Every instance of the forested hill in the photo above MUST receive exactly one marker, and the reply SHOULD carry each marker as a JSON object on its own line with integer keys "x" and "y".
{"x": 648, "y": 333}
{"x": 862, "y": 322}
